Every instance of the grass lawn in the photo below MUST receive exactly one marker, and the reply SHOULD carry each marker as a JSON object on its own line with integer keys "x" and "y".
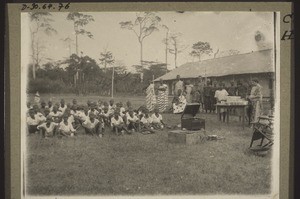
{"x": 147, "y": 164}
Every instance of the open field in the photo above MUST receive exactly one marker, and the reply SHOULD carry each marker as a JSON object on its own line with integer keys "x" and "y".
{"x": 146, "y": 164}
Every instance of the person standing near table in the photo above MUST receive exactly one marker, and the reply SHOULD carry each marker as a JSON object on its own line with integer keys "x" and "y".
{"x": 162, "y": 97}
{"x": 256, "y": 100}
{"x": 221, "y": 95}
{"x": 178, "y": 86}
{"x": 232, "y": 89}
{"x": 241, "y": 90}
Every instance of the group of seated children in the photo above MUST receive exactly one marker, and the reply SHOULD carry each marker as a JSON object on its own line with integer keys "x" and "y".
{"x": 65, "y": 119}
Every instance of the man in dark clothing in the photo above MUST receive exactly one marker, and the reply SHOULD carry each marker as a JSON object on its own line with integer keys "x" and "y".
{"x": 214, "y": 88}
{"x": 242, "y": 89}
{"x": 207, "y": 96}
{"x": 232, "y": 89}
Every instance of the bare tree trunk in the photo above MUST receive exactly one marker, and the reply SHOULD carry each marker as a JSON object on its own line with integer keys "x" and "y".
{"x": 76, "y": 44}
{"x": 141, "y": 51}
{"x": 175, "y": 59}
{"x": 112, "y": 82}
{"x": 33, "y": 56}
{"x": 167, "y": 49}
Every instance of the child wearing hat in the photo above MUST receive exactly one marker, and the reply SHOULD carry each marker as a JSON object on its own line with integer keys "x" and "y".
{"x": 48, "y": 128}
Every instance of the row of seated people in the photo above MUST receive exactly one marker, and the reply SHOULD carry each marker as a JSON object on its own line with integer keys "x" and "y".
{"x": 94, "y": 118}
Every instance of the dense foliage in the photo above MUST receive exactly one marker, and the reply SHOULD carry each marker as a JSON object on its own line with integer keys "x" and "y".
{"x": 83, "y": 75}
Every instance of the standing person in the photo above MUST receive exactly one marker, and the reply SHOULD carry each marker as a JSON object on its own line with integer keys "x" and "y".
{"x": 150, "y": 98}
{"x": 232, "y": 89}
{"x": 241, "y": 90}
{"x": 200, "y": 86}
{"x": 256, "y": 100}
{"x": 188, "y": 90}
{"x": 162, "y": 97}
{"x": 178, "y": 86}
{"x": 214, "y": 88}
{"x": 220, "y": 95}
{"x": 207, "y": 96}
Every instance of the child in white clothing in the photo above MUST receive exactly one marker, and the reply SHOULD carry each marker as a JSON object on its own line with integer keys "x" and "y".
{"x": 65, "y": 127}
{"x": 48, "y": 128}
{"x": 157, "y": 120}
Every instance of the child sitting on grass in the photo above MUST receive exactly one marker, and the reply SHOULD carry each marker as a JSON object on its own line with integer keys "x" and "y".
{"x": 106, "y": 116}
{"x": 133, "y": 122}
{"x": 112, "y": 105}
{"x": 48, "y": 128}
{"x": 93, "y": 109}
{"x": 93, "y": 126}
{"x": 157, "y": 120}
{"x": 83, "y": 115}
{"x": 65, "y": 127}
{"x": 55, "y": 114}
{"x": 146, "y": 123}
{"x": 33, "y": 120}
{"x": 50, "y": 106}
{"x": 62, "y": 106}
{"x": 118, "y": 125}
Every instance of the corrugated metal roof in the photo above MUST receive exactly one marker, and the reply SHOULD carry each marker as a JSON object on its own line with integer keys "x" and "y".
{"x": 248, "y": 63}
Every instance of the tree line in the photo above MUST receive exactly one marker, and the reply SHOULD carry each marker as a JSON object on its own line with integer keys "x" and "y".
{"x": 80, "y": 73}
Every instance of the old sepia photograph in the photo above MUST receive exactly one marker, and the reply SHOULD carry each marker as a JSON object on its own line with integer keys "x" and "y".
{"x": 179, "y": 103}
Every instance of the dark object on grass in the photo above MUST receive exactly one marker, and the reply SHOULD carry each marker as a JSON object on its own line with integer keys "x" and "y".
{"x": 189, "y": 118}
{"x": 262, "y": 130}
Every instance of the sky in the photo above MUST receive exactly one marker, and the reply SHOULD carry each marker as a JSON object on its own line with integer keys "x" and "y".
{"x": 223, "y": 30}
